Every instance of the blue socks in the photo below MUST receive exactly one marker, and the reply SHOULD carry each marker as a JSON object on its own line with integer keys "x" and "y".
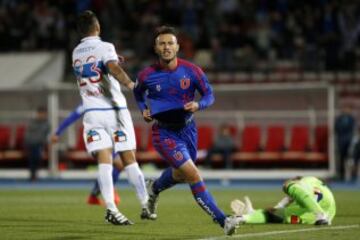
{"x": 201, "y": 195}
{"x": 115, "y": 176}
{"x": 165, "y": 181}
{"x": 207, "y": 202}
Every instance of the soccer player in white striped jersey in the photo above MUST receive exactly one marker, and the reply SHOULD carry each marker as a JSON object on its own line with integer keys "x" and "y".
{"x": 107, "y": 122}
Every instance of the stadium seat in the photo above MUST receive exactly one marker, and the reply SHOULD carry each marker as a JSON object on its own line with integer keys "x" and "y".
{"x": 275, "y": 139}
{"x": 20, "y": 137}
{"x": 321, "y": 138}
{"x": 299, "y": 143}
{"x": 79, "y": 153}
{"x": 5, "y": 134}
{"x": 80, "y": 144}
{"x": 250, "y": 144}
{"x": 299, "y": 138}
{"x": 149, "y": 154}
{"x": 250, "y": 139}
{"x": 275, "y": 143}
{"x": 139, "y": 137}
{"x": 205, "y": 137}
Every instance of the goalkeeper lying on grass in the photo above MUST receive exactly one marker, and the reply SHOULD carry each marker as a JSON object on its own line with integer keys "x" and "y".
{"x": 308, "y": 201}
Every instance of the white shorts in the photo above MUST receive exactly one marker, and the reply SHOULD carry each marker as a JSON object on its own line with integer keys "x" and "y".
{"x": 109, "y": 129}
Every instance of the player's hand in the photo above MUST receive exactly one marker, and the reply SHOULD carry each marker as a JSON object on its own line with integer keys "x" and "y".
{"x": 54, "y": 138}
{"x": 147, "y": 116}
{"x": 191, "y": 106}
{"x": 121, "y": 58}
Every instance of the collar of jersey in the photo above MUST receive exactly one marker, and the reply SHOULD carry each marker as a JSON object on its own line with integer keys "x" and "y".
{"x": 90, "y": 38}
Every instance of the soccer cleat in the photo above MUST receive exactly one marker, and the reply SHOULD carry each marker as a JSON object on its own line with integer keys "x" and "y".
{"x": 321, "y": 219}
{"x": 153, "y": 197}
{"x": 145, "y": 214}
{"x": 94, "y": 200}
{"x": 231, "y": 224}
{"x": 116, "y": 218}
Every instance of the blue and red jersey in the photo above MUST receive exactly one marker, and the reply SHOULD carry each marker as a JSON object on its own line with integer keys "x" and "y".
{"x": 165, "y": 92}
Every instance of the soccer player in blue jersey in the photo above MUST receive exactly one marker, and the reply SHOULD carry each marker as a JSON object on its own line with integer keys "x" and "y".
{"x": 165, "y": 93}
{"x": 93, "y": 198}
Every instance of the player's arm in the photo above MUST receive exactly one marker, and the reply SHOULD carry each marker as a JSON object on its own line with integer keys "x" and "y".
{"x": 283, "y": 202}
{"x": 70, "y": 119}
{"x": 139, "y": 93}
{"x": 119, "y": 74}
{"x": 207, "y": 97}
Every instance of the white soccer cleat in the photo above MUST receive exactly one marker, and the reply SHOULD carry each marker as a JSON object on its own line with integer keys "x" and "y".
{"x": 237, "y": 207}
{"x": 231, "y": 224}
{"x": 248, "y": 206}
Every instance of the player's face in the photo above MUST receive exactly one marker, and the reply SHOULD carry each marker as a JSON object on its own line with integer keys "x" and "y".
{"x": 166, "y": 47}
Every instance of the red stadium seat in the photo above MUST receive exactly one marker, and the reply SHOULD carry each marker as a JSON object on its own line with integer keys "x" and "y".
{"x": 299, "y": 143}
{"x": 274, "y": 145}
{"x": 5, "y": 132}
{"x": 321, "y": 138}
{"x": 80, "y": 144}
{"x": 275, "y": 139}
{"x": 139, "y": 137}
{"x": 251, "y": 139}
{"x": 79, "y": 155}
{"x": 299, "y": 138}
{"x": 205, "y": 137}
{"x": 20, "y": 137}
{"x": 250, "y": 145}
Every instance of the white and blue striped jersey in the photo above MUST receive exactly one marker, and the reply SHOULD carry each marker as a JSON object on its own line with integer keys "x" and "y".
{"x": 98, "y": 89}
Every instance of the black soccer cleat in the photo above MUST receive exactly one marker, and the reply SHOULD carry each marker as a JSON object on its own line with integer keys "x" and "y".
{"x": 322, "y": 222}
{"x": 116, "y": 218}
{"x": 153, "y": 197}
{"x": 146, "y": 214}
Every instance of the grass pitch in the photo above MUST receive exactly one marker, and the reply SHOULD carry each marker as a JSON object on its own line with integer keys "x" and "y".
{"x": 62, "y": 214}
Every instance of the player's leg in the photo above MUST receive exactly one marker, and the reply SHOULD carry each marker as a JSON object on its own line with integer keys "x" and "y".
{"x": 99, "y": 143}
{"x": 136, "y": 178}
{"x": 93, "y": 198}
{"x": 125, "y": 145}
{"x": 118, "y": 167}
{"x": 306, "y": 199}
{"x": 190, "y": 174}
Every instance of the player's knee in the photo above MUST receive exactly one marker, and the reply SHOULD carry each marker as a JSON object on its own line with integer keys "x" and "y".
{"x": 128, "y": 157}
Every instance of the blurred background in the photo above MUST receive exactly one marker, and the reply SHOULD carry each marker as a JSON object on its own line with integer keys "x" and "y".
{"x": 284, "y": 73}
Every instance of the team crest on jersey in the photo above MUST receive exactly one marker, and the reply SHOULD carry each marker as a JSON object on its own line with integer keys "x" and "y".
{"x": 185, "y": 83}
{"x": 170, "y": 143}
{"x": 178, "y": 156}
{"x": 119, "y": 136}
{"x": 92, "y": 136}
{"x": 158, "y": 87}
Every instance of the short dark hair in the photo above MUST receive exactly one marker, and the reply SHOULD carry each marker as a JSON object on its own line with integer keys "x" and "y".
{"x": 86, "y": 22}
{"x": 165, "y": 30}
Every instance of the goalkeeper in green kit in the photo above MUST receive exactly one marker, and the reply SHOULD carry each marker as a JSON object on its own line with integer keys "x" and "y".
{"x": 308, "y": 201}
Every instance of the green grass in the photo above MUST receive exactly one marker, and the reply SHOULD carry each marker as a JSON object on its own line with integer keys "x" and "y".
{"x": 63, "y": 215}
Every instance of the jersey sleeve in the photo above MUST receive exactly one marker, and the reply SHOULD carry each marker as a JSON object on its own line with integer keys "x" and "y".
{"x": 203, "y": 86}
{"x": 109, "y": 53}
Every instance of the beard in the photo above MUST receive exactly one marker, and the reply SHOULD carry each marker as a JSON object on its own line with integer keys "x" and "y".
{"x": 167, "y": 60}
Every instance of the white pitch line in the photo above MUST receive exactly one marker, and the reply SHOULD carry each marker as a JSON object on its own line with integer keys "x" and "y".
{"x": 262, "y": 234}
